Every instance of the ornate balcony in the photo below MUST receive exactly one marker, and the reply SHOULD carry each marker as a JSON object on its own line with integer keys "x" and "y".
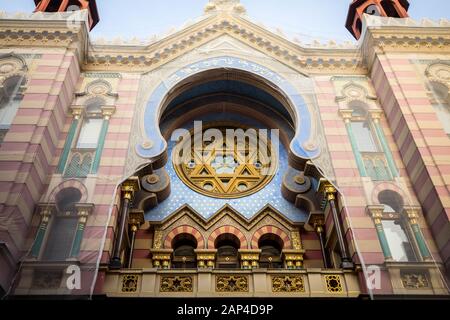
{"x": 232, "y": 283}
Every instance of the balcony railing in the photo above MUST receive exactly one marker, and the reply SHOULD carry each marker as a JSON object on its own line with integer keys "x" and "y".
{"x": 232, "y": 283}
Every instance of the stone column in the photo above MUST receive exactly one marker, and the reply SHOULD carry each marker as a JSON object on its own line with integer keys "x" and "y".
{"x": 376, "y": 212}
{"x": 83, "y": 212}
{"x": 376, "y": 116}
{"x": 347, "y": 116}
{"x": 107, "y": 112}
{"x": 412, "y": 213}
{"x": 76, "y": 113}
{"x": 136, "y": 220}
{"x": 317, "y": 221}
{"x": 46, "y": 210}
{"x": 128, "y": 189}
{"x": 330, "y": 194}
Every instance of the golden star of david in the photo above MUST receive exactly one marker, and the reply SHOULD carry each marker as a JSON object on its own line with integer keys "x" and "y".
{"x": 224, "y": 171}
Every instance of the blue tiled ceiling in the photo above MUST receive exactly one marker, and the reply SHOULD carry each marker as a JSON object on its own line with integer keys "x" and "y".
{"x": 230, "y": 87}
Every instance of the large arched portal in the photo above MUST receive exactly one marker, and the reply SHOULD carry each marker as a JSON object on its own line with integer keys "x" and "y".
{"x": 224, "y": 99}
{"x": 191, "y": 164}
{"x": 302, "y": 146}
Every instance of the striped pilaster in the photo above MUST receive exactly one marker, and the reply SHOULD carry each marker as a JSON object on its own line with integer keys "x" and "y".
{"x": 29, "y": 148}
{"x": 68, "y": 143}
{"x": 384, "y": 145}
{"x": 421, "y": 140}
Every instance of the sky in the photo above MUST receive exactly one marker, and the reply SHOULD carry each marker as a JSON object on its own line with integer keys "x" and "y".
{"x": 306, "y": 19}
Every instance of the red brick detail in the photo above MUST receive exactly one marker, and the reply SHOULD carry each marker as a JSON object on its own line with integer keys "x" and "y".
{"x": 271, "y": 230}
{"x": 181, "y": 230}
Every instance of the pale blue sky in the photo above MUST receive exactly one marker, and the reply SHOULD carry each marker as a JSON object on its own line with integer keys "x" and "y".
{"x": 306, "y": 19}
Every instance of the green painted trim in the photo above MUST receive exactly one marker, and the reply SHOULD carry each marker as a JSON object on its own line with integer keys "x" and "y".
{"x": 383, "y": 241}
{"x": 67, "y": 146}
{"x": 36, "y": 248}
{"x": 77, "y": 241}
{"x": 359, "y": 160}
{"x": 101, "y": 145}
{"x": 425, "y": 253}
{"x": 387, "y": 151}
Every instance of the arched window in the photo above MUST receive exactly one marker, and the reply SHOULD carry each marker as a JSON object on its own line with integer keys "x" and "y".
{"x": 92, "y": 125}
{"x": 367, "y": 144}
{"x": 441, "y": 104}
{"x": 271, "y": 246}
{"x": 362, "y": 130}
{"x": 63, "y": 226}
{"x": 395, "y": 227}
{"x": 227, "y": 246}
{"x": 184, "y": 246}
{"x": 81, "y": 160}
{"x": 10, "y": 98}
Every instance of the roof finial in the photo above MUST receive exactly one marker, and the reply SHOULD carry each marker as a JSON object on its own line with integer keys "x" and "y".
{"x": 232, "y": 6}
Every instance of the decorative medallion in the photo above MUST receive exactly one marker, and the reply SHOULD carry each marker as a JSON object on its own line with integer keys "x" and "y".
{"x": 288, "y": 284}
{"x": 415, "y": 280}
{"x": 176, "y": 284}
{"x": 225, "y": 168}
{"x": 439, "y": 71}
{"x": 231, "y": 284}
{"x": 334, "y": 284}
{"x": 7, "y": 68}
{"x": 130, "y": 282}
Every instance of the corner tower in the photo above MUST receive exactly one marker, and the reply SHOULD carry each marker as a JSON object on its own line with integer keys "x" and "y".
{"x": 70, "y": 5}
{"x": 383, "y": 8}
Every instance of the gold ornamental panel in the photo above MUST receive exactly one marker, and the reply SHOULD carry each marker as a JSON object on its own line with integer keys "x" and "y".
{"x": 334, "y": 284}
{"x": 231, "y": 284}
{"x": 225, "y": 167}
{"x": 414, "y": 280}
{"x": 130, "y": 282}
{"x": 176, "y": 284}
{"x": 288, "y": 284}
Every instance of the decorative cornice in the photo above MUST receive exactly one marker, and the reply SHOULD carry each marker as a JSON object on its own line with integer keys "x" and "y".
{"x": 146, "y": 58}
{"x": 383, "y": 34}
{"x": 41, "y": 29}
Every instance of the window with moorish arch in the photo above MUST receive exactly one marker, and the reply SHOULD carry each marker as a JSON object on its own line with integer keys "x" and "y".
{"x": 83, "y": 152}
{"x": 368, "y": 146}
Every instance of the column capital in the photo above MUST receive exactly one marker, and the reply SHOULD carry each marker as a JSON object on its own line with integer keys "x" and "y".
{"x": 136, "y": 218}
{"x": 346, "y": 114}
{"x": 376, "y": 115}
{"x": 77, "y": 111}
{"x": 249, "y": 258}
{"x": 45, "y": 210}
{"x": 108, "y": 111}
{"x": 412, "y": 213}
{"x": 293, "y": 258}
{"x": 327, "y": 189}
{"x": 84, "y": 210}
{"x": 317, "y": 221}
{"x": 376, "y": 212}
{"x": 129, "y": 187}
